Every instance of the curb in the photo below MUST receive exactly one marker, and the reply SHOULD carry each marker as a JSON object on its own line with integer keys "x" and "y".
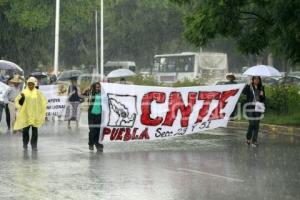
{"x": 267, "y": 128}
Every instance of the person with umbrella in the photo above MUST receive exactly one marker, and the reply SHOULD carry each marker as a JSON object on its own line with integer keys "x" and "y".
{"x": 11, "y": 94}
{"x": 255, "y": 96}
{"x": 73, "y": 109}
{"x": 31, "y": 104}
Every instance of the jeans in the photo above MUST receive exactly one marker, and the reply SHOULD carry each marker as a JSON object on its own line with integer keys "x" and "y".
{"x": 94, "y": 126}
{"x": 2, "y": 106}
{"x": 7, "y": 113}
{"x": 253, "y": 127}
{"x": 34, "y": 136}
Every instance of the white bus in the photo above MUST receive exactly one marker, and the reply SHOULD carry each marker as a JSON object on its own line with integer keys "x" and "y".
{"x": 210, "y": 67}
{"x": 113, "y": 65}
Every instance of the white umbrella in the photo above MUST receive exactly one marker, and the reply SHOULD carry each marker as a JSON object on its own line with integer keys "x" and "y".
{"x": 7, "y": 65}
{"x": 262, "y": 70}
{"x": 118, "y": 73}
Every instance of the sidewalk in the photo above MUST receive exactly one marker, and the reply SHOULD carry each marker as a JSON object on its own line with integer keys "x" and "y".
{"x": 267, "y": 128}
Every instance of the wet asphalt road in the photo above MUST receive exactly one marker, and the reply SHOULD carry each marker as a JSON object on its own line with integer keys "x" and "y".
{"x": 211, "y": 165}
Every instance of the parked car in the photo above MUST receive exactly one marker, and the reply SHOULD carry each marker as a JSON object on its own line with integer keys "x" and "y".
{"x": 270, "y": 80}
{"x": 290, "y": 80}
{"x": 295, "y": 73}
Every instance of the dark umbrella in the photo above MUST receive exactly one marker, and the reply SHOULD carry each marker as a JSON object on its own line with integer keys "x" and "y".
{"x": 69, "y": 74}
{"x": 38, "y": 75}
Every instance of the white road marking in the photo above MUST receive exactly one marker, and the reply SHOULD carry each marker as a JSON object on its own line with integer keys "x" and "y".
{"x": 210, "y": 174}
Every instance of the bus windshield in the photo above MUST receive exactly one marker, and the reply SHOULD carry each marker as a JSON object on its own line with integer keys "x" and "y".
{"x": 174, "y": 63}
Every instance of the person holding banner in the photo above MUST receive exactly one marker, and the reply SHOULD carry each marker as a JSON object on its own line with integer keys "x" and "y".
{"x": 31, "y": 104}
{"x": 231, "y": 80}
{"x": 255, "y": 96}
{"x": 94, "y": 117}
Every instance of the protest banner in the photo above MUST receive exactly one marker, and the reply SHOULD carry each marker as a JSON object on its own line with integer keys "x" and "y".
{"x": 56, "y": 96}
{"x": 131, "y": 112}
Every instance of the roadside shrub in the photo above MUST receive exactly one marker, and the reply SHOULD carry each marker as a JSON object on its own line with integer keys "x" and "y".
{"x": 144, "y": 80}
{"x": 283, "y": 99}
{"x": 187, "y": 82}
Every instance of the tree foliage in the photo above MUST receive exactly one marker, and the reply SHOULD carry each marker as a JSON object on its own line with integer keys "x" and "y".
{"x": 133, "y": 30}
{"x": 256, "y": 25}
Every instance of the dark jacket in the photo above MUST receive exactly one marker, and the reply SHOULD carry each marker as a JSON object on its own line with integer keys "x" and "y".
{"x": 249, "y": 94}
{"x": 73, "y": 94}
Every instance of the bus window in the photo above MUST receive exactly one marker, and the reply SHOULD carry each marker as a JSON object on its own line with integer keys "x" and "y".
{"x": 132, "y": 68}
{"x": 174, "y": 64}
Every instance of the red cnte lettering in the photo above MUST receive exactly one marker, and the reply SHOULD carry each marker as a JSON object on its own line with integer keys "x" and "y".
{"x": 159, "y": 97}
{"x": 207, "y": 97}
{"x": 216, "y": 113}
{"x": 176, "y": 103}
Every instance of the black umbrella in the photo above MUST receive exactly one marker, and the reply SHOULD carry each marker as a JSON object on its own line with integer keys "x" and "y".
{"x": 69, "y": 74}
{"x": 38, "y": 75}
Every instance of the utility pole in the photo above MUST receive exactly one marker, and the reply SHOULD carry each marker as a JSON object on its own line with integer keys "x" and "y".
{"x": 102, "y": 42}
{"x": 56, "y": 48}
{"x": 97, "y": 48}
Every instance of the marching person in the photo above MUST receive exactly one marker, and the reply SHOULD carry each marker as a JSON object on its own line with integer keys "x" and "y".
{"x": 31, "y": 104}
{"x": 11, "y": 94}
{"x": 254, "y": 93}
{"x": 231, "y": 80}
{"x": 4, "y": 106}
{"x": 73, "y": 110}
{"x": 94, "y": 117}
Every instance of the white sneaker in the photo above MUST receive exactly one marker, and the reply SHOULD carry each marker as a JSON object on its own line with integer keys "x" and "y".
{"x": 254, "y": 144}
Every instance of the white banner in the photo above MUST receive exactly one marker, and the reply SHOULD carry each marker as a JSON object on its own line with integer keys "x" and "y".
{"x": 57, "y": 96}
{"x": 131, "y": 112}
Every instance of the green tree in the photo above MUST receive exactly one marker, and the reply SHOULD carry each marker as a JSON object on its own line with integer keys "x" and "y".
{"x": 133, "y": 30}
{"x": 255, "y": 25}
{"x": 139, "y": 29}
{"x": 27, "y": 32}
{"x": 21, "y": 35}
